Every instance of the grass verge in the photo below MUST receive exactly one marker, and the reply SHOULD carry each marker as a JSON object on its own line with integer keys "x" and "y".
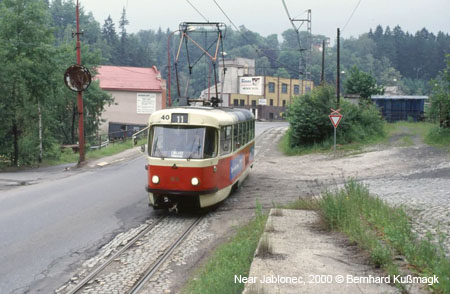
{"x": 428, "y": 132}
{"x": 229, "y": 259}
{"x": 326, "y": 146}
{"x": 68, "y": 156}
{"x": 439, "y": 137}
{"x": 382, "y": 230}
{"x": 420, "y": 129}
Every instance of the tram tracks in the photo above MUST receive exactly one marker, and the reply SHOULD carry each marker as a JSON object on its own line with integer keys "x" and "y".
{"x": 124, "y": 275}
{"x": 121, "y": 273}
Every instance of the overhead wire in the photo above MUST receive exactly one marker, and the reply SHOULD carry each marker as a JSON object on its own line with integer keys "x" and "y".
{"x": 293, "y": 25}
{"x": 198, "y": 11}
{"x": 353, "y": 12}
{"x": 252, "y": 45}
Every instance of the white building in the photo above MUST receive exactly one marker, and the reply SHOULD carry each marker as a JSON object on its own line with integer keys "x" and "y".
{"x": 137, "y": 93}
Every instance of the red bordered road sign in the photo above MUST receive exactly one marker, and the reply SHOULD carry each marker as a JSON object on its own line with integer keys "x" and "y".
{"x": 335, "y": 118}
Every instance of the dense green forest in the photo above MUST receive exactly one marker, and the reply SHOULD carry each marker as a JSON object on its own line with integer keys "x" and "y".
{"x": 37, "y": 112}
{"x": 392, "y": 56}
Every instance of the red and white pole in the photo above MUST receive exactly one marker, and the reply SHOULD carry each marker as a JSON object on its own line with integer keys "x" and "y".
{"x": 80, "y": 95}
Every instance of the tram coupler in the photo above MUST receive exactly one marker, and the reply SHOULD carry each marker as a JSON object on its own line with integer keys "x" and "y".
{"x": 174, "y": 207}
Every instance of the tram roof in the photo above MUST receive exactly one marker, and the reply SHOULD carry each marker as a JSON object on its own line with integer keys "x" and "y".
{"x": 220, "y": 116}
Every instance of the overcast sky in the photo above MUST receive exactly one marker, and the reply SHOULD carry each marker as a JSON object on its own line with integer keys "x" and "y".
{"x": 269, "y": 17}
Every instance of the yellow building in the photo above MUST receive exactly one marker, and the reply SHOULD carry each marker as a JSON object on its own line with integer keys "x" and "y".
{"x": 276, "y": 93}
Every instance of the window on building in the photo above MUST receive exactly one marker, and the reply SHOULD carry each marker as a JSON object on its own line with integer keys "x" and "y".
{"x": 253, "y": 102}
{"x": 283, "y": 88}
{"x": 284, "y": 103}
{"x": 271, "y": 87}
{"x": 236, "y": 102}
{"x": 271, "y": 102}
{"x": 242, "y": 102}
{"x": 296, "y": 90}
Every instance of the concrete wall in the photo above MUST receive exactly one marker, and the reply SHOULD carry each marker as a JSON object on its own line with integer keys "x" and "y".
{"x": 236, "y": 68}
{"x": 124, "y": 109}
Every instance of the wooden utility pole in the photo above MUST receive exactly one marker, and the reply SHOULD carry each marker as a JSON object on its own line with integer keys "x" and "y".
{"x": 322, "y": 76}
{"x": 80, "y": 95}
{"x": 338, "y": 72}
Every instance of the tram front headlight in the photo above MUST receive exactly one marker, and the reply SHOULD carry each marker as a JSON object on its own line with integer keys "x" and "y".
{"x": 194, "y": 181}
{"x": 155, "y": 179}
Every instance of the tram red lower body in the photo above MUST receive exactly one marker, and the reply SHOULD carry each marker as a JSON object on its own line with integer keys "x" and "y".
{"x": 177, "y": 180}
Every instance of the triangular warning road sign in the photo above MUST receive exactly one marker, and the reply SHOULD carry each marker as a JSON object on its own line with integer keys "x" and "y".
{"x": 335, "y": 119}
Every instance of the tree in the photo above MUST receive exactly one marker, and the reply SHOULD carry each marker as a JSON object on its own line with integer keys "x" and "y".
{"x": 123, "y": 40}
{"x": 109, "y": 32}
{"x": 361, "y": 83}
{"x": 440, "y": 98}
{"x": 27, "y": 71}
{"x": 37, "y": 111}
{"x": 282, "y": 73}
{"x": 310, "y": 124}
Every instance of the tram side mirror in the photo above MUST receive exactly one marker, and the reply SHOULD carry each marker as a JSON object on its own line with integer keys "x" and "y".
{"x": 134, "y": 141}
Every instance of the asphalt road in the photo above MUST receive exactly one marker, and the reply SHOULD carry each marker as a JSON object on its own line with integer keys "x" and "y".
{"x": 48, "y": 228}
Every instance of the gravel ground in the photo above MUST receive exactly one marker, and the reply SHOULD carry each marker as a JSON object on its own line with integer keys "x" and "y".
{"x": 416, "y": 177}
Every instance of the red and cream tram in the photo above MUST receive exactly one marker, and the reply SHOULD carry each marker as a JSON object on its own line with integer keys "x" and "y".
{"x": 196, "y": 155}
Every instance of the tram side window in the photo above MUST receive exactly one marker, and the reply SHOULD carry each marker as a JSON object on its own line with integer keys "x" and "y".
{"x": 253, "y": 129}
{"x": 245, "y": 133}
{"x": 236, "y": 142}
{"x": 240, "y": 127}
{"x": 225, "y": 140}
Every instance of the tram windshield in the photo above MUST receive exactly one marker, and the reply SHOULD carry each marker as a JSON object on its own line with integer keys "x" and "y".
{"x": 188, "y": 142}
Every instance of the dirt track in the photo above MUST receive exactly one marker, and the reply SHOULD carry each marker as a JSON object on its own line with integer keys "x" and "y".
{"x": 415, "y": 176}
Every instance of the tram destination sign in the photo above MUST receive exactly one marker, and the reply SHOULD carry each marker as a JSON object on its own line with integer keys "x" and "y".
{"x": 181, "y": 118}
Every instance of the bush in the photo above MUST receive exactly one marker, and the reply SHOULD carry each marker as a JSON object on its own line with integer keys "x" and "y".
{"x": 310, "y": 124}
{"x": 438, "y": 136}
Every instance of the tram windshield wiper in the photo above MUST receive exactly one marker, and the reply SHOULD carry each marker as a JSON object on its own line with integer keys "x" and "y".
{"x": 192, "y": 147}
{"x": 155, "y": 147}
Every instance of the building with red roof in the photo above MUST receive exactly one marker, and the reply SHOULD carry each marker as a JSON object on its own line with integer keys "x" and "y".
{"x": 137, "y": 92}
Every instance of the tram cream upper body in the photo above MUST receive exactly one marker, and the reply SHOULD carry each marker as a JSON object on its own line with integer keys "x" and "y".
{"x": 213, "y": 117}
{"x": 215, "y": 175}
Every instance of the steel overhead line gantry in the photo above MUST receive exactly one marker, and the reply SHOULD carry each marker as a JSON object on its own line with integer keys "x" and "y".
{"x": 304, "y": 63}
{"x": 186, "y": 28}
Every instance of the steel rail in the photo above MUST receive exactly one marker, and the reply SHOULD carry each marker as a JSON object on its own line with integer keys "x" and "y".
{"x": 89, "y": 277}
{"x": 152, "y": 270}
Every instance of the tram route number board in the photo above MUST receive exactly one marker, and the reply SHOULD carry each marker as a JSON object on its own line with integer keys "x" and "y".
{"x": 181, "y": 118}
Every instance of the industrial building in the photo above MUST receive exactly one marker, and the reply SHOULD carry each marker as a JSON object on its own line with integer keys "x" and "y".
{"x": 266, "y": 96}
{"x": 401, "y": 107}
